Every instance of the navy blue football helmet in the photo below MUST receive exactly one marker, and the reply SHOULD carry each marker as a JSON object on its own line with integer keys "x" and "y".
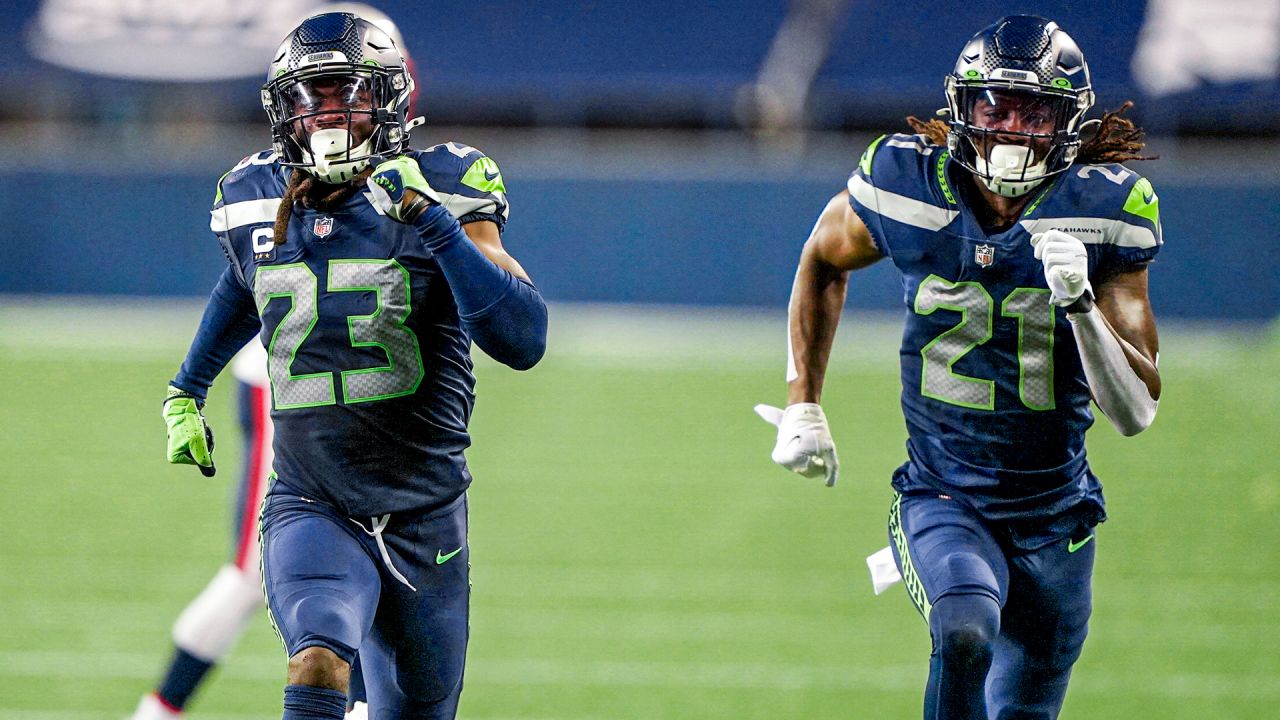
{"x": 337, "y": 66}
{"x": 1026, "y": 66}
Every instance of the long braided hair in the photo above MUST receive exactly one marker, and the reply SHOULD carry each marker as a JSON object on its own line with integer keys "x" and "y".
{"x": 1115, "y": 139}
{"x": 313, "y": 194}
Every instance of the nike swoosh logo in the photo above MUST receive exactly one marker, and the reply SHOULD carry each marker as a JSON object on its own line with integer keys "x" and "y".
{"x": 442, "y": 558}
{"x": 487, "y": 176}
{"x": 1074, "y": 545}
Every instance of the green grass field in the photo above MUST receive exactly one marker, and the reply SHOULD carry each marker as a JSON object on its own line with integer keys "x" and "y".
{"x": 635, "y": 553}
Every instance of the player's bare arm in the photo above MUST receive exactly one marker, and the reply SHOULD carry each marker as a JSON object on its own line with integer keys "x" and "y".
{"x": 485, "y": 235}
{"x": 838, "y": 244}
{"x": 1126, "y": 311}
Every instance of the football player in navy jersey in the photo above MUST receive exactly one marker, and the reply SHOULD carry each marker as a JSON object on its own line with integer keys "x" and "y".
{"x": 1023, "y": 254}
{"x": 213, "y": 621}
{"x": 366, "y": 269}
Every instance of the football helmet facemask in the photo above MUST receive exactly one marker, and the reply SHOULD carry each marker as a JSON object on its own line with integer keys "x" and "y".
{"x": 1015, "y": 102}
{"x": 337, "y": 94}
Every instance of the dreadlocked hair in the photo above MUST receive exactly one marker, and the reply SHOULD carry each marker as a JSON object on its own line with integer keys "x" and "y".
{"x": 935, "y": 131}
{"x": 1115, "y": 139}
{"x": 313, "y": 194}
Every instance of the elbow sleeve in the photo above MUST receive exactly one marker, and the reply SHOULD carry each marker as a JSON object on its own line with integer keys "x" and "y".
{"x": 1118, "y": 391}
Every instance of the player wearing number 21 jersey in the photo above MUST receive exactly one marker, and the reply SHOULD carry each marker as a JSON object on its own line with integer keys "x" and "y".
{"x": 1023, "y": 258}
{"x": 366, "y": 269}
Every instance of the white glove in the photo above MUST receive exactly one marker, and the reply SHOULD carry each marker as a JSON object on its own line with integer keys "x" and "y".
{"x": 1066, "y": 266}
{"x": 804, "y": 440}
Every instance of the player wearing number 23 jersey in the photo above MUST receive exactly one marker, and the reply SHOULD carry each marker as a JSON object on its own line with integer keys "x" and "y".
{"x": 366, "y": 269}
{"x": 1023, "y": 254}
{"x": 362, "y": 331}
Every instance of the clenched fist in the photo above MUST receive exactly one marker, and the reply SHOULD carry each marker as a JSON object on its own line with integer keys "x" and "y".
{"x": 399, "y": 189}
{"x": 1066, "y": 266}
{"x": 804, "y": 443}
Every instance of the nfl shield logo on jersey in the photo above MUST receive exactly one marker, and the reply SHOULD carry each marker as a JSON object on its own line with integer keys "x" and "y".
{"x": 984, "y": 255}
{"x": 322, "y": 227}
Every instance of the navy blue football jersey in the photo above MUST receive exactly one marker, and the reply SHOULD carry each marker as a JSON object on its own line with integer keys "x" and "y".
{"x": 993, "y": 392}
{"x": 370, "y": 367}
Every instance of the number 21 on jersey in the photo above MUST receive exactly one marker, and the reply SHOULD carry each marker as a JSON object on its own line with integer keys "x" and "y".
{"x": 1029, "y": 307}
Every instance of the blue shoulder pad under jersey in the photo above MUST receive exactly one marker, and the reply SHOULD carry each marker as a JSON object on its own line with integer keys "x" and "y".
{"x": 468, "y": 182}
{"x": 901, "y": 180}
{"x": 244, "y": 208}
{"x": 1113, "y": 210}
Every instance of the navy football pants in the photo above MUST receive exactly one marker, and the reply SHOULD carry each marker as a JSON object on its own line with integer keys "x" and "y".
{"x": 1007, "y": 623}
{"x": 329, "y": 585}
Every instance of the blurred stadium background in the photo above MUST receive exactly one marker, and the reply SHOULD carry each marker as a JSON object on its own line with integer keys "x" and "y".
{"x": 635, "y": 553}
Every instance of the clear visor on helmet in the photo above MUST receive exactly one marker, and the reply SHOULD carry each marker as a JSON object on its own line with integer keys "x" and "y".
{"x": 1016, "y": 113}
{"x": 328, "y": 93}
{"x": 1013, "y": 135}
{"x": 335, "y": 116}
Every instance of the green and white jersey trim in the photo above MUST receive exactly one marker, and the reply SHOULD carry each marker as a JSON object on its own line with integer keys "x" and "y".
{"x": 482, "y": 176}
{"x": 457, "y": 205}
{"x": 900, "y": 208}
{"x": 1096, "y": 231}
{"x": 243, "y": 213}
{"x": 462, "y": 205}
{"x": 915, "y": 143}
{"x": 251, "y": 212}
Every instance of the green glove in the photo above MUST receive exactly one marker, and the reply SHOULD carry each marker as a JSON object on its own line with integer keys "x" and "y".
{"x": 190, "y": 439}
{"x": 399, "y": 190}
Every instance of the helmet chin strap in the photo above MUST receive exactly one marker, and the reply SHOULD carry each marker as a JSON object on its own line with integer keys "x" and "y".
{"x": 1006, "y": 167}
{"x": 326, "y": 145}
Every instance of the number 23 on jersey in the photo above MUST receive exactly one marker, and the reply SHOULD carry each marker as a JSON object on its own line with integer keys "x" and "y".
{"x": 384, "y": 328}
